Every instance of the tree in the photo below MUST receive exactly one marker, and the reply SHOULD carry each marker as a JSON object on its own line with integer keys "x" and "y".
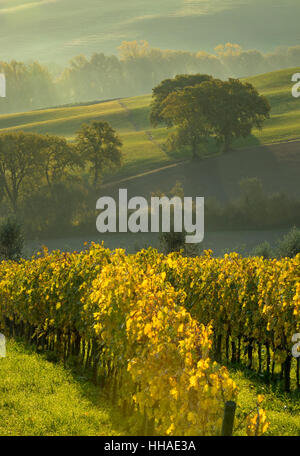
{"x": 173, "y": 241}
{"x": 263, "y": 250}
{"x": 99, "y": 146}
{"x": 289, "y": 246}
{"x": 29, "y": 86}
{"x": 11, "y": 240}
{"x": 167, "y": 87}
{"x": 20, "y": 162}
{"x": 185, "y": 111}
{"x": 253, "y": 202}
{"x": 97, "y": 78}
{"x": 227, "y": 109}
{"x": 232, "y": 108}
{"x": 59, "y": 157}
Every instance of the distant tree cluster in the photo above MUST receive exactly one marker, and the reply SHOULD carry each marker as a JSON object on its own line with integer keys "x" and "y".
{"x": 48, "y": 182}
{"x": 137, "y": 69}
{"x": 287, "y": 247}
{"x": 28, "y": 86}
{"x": 252, "y": 209}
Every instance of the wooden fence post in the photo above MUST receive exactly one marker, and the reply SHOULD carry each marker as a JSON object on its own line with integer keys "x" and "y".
{"x": 228, "y": 420}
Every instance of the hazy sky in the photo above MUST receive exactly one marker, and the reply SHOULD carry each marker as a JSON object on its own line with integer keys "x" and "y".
{"x": 56, "y": 30}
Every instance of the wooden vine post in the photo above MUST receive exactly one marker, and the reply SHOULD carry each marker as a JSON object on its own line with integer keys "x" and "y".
{"x": 228, "y": 419}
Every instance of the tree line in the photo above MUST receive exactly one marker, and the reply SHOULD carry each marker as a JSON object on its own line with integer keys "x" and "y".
{"x": 136, "y": 69}
{"x": 48, "y": 183}
{"x": 252, "y": 209}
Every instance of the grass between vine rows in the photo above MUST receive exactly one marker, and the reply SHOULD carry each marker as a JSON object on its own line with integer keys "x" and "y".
{"x": 42, "y": 397}
{"x": 39, "y": 397}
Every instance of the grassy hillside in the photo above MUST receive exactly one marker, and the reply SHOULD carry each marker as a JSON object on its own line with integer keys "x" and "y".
{"x": 58, "y": 30}
{"x": 285, "y": 115}
{"x": 142, "y": 144}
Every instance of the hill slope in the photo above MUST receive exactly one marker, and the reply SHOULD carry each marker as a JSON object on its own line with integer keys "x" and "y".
{"x": 56, "y": 30}
{"x": 142, "y": 144}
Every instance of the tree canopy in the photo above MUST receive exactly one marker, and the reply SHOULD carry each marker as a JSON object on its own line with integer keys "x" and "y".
{"x": 226, "y": 110}
{"x": 161, "y": 92}
{"x": 20, "y": 162}
{"x": 100, "y": 147}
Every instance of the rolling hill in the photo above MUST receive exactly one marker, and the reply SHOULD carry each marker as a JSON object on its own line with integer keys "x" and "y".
{"x": 56, "y": 30}
{"x": 143, "y": 149}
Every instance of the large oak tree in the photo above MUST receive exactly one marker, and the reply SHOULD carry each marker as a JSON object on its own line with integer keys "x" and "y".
{"x": 226, "y": 110}
{"x": 233, "y": 109}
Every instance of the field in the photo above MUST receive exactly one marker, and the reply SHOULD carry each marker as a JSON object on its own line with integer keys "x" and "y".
{"x": 142, "y": 144}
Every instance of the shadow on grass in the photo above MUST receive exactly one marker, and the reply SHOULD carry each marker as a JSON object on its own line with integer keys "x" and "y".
{"x": 274, "y": 386}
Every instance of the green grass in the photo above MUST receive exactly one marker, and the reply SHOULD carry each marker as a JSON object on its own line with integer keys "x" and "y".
{"x": 38, "y": 397}
{"x": 130, "y": 117}
{"x": 66, "y": 120}
{"x": 283, "y": 410}
{"x": 285, "y": 115}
